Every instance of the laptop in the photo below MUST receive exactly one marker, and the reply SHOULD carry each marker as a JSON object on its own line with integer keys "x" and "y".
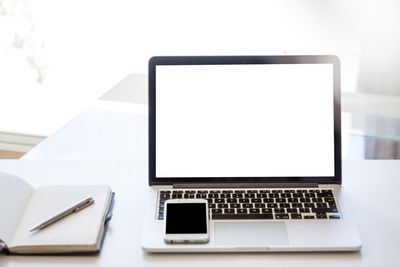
{"x": 259, "y": 137}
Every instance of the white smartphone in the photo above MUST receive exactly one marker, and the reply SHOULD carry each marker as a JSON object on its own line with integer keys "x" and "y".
{"x": 186, "y": 221}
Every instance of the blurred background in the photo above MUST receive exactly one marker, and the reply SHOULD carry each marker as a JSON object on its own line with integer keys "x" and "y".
{"x": 58, "y": 56}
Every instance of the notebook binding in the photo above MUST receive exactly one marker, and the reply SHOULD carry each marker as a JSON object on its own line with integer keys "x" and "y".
{"x": 3, "y": 246}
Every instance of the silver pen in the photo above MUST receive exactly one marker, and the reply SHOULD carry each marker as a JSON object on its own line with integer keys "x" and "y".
{"x": 73, "y": 209}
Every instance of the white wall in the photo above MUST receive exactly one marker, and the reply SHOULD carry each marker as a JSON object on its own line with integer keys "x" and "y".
{"x": 86, "y": 47}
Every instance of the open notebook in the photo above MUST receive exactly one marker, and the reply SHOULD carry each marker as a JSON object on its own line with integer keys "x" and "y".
{"x": 23, "y": 207}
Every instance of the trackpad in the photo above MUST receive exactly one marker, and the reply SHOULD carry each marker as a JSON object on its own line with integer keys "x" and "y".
{"x": 250, "y": 233}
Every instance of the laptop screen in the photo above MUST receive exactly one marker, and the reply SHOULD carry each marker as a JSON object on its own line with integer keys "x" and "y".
{"x": 244, "y": 120}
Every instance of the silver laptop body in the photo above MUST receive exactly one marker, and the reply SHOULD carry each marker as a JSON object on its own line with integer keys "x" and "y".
{"x": 260, "y": 138}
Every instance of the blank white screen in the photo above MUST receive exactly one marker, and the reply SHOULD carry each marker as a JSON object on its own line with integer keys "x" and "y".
{"x": 260, "y": 120}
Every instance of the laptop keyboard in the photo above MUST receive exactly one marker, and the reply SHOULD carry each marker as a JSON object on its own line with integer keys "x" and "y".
{"x": 278, "y": 204}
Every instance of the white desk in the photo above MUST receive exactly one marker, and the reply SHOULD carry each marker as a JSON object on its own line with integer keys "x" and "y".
{"x": 375, "y": 206}
{"x": 115, "y": 136}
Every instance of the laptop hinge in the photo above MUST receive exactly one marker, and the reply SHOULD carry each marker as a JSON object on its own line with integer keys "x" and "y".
{"x": 246, "y": 185}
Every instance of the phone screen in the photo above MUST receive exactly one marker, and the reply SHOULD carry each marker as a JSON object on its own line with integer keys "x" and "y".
{"x": 186, "y": 218}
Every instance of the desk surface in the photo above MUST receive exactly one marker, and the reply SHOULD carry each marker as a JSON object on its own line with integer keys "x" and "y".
{"x": 108, "y": 144}
{"x": 372, "y": 186}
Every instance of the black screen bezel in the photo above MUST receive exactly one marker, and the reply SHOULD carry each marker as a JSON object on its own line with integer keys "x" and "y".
{"x": 220, "y": 60}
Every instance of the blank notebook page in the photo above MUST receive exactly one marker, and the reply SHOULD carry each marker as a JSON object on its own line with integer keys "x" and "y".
{"x": 80, "y": 229}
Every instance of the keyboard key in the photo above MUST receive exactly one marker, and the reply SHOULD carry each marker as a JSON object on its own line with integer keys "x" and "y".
{"x": 291, "y": 200}
{"x": 249, "y": 195}
{"x": 165, "y": 196}
{"x": 176, "y": 195}
{"x": 281, "y": 216}
{"x": 201, "y": 195}
{"x": 326, "y": 191}
{"x": 324, "y": 210}
{"x": 276, "y": 191}
{"x": 222, "y": 206}
{"x": 188, "y": 195}
{"x": 251, "y": 191}
{"x": 297, "y": 205}
{"x": 241, "y": 210}
{"x": 190, "y": 192}
{"x": 321, "y": 216}
{"x": 254, "y": 210}
{"x": 268, "y": 200}
{"x": 244, "y": 200}
{"x": 237, "y": 195}
{"x": 324, "y": 195}
{"x": 262, "y": 195}
{"x": 308, "y": 217}
{"x": 334, "y": 217}
{"x": 304, "y": 210}
{"x": 321, "y": 205}
{"x": 212, "y": 206}
{"x": 240, "y": 191}
{"x": 273, "y": 195}
{"x": 229, "y": 211}
{"x": 247, "y": 205}
{"x": 210, "y": 200}
{"x": 314, "y": 191}
{"x": 227, "y": 191}
{"x": 202, "y": 191}
{"x": 301, "y": 191}
{"x": 165, "y": 192}
{"x": 280, "y": 200}
{"x": 284, "y": 205}
{"x": 213, "y": 195}
{"x": 266, "y": 210}
{"x": 291, "y": 210}
{"x": 272, "y": 205}
{"x": 279, "y": 210}
{"x": 265, "y": 191}
{"x": 298, "y": 195}
{"x": 332, "y": 205}
{"x": 234, "y": 205}
{"x": 215, "y": 211}
{"x": 259, "y": 205}
{"x": 231, "y": 200}
{"x": 316, "y": 200}
{"x": 215, "y": 191}
{"x": 241, "y": 216}
{"x": 177, "y": 192}
{"x": 219, "y": 200}
{"x": 225, "y": 195}
{"x": 286, "y": 195}
{"x": 256, "y": 200}
{"x": 295, "y": 216}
